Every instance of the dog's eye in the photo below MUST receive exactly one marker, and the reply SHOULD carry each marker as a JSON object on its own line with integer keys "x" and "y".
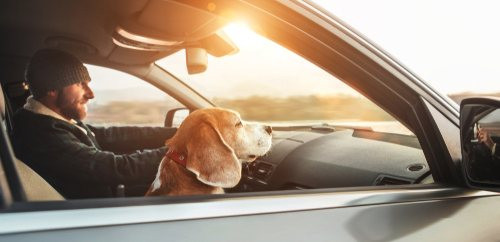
{"x": 239, "y": 124}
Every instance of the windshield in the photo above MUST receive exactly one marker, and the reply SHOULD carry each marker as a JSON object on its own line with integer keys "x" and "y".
{"x": 452, "y": 45}
{"x": 266, "y": 82}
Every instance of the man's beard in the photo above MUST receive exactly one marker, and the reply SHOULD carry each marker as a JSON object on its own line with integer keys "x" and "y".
{"x": 69, "y": 107}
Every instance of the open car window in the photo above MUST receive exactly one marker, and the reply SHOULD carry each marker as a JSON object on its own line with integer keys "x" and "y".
{"x": 326, "y": 134}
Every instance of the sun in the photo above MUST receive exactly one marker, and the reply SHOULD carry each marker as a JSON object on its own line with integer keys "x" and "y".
{"x": 241, "y": 34}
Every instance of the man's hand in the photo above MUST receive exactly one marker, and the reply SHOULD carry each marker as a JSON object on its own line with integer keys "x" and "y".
{"x": 485, "y": 138}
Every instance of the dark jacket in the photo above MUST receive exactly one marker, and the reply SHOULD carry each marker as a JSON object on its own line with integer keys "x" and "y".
{"x": 85, "y": 166}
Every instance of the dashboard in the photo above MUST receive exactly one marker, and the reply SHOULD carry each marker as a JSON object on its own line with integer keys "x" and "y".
{"x": 326, "y": 157}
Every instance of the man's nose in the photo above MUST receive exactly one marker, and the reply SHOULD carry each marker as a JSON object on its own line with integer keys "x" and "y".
{"x": 89, "y": 94}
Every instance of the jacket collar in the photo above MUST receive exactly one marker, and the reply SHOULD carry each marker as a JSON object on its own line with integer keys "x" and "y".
{"x": 37, "y": 107}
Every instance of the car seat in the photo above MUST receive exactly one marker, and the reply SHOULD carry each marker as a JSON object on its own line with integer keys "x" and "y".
{"x": 34, "y": 186}
{"x": 15, "y": 94}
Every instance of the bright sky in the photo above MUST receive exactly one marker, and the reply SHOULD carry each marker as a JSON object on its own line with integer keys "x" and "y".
{"x": 260, "y": 67}
{"x": 453, "y": 45}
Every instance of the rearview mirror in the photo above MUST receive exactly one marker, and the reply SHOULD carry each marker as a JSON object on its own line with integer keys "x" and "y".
{"x": 480, "y": 139}
{"x": 217, "y": 44}
{"x": 196, "y": 60}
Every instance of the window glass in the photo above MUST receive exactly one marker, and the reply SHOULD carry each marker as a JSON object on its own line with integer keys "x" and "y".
{"x": 268, "y": 83}
{"x": 122, "y": 99}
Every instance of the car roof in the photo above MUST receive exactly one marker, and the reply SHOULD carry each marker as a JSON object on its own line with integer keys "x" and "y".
{"x": 88, "y": 29}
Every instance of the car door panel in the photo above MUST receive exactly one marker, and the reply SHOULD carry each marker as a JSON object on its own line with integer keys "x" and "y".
{"x": 380, "y": 215}
{"x": 410, "y": 221}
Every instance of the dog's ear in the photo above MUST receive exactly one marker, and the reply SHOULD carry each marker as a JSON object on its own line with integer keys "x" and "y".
{"x": 211, "y": 159}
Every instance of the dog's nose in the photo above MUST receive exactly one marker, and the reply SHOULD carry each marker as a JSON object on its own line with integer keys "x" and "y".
{"x": 269, "y": 130}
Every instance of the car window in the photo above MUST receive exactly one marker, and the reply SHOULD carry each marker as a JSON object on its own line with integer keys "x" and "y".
{"x": 312, "y": 112}
{"x": 266, "y": 82}
{"x": 121, "y": 99}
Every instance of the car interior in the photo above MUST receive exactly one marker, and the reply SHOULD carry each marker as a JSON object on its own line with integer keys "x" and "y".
{"x": 132, "y": 35}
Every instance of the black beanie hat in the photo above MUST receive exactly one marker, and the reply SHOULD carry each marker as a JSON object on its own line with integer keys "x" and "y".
{"x": 51, "y": 69}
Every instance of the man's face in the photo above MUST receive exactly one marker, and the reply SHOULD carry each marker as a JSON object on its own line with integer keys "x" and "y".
{"x": 72, "y": 100}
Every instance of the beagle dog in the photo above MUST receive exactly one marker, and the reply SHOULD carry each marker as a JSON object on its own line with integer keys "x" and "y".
{"x": 207, "y": 151}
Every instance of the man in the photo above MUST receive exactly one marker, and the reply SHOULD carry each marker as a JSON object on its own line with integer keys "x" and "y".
{"x": 78, "y": 160}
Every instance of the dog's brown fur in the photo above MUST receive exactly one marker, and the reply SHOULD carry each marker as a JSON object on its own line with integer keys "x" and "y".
{"x": 215, "y": 142}
{"x": 180, "y": 182}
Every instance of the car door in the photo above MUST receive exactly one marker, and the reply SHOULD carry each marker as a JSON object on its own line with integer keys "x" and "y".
{"x": 415, "y": 212}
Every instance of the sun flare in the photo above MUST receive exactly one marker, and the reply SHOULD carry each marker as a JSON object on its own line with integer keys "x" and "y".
{"x": 241, "y": 33}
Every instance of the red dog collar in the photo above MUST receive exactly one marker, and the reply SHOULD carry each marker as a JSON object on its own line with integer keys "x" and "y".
{"x": 178, "y": 158}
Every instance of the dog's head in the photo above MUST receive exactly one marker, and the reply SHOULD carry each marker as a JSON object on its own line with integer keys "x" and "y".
{"x": 216, "y": 142}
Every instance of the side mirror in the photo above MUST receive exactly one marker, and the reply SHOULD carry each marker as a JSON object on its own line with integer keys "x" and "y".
{"x": 480, "y": 141}
{"x": 175, "y": 117}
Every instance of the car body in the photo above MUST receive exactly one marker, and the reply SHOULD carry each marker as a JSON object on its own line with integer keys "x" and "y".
{"x": 319, "y": 183}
